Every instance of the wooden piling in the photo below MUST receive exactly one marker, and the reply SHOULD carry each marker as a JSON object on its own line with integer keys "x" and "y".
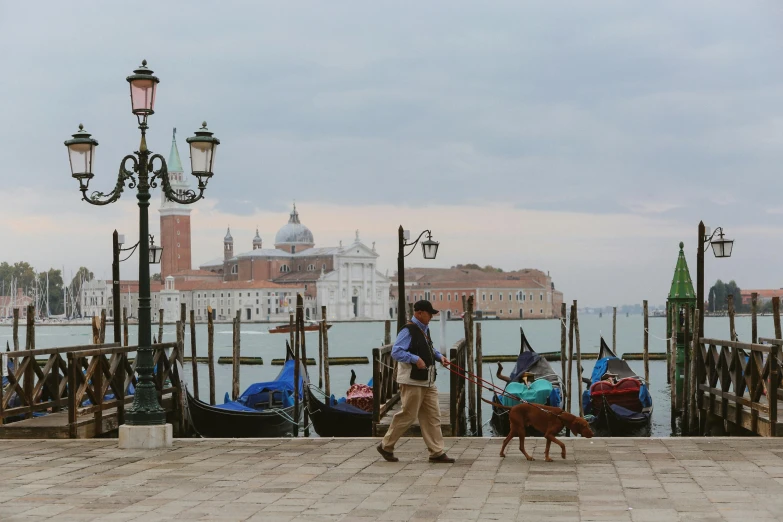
{"x": 96, "y": 329}
{"x": 564, "y": 391}
{"x": 125, "y": 326}
{"x": 614, "y": 330}
{"x": 236, "y": 354}
{"x": 571, "y": 359}
{"x": 773, "y": 383}
{"x": 646, "y": 344}
{"x": 578, "y": 361}
{"x": 300, "y": 306}
{"x": 16, "y": 330}
{"x": 387, "y": 332}
{"x": 471, "y": 369}
{"x": 297, "y": 374}
{"x": 29, "y": 374}
{"x": 480, "y": 375}
{"x": 732, "y": 332}
{"x": 754, "y": 322}
{"x": 321, "y": 369}
{"x": 673, "y": 368}
{"x": 776, "y": 317}
{"x": 193, "y": 361}
{"x": 325, "y": 328}
{"x": 211, "y": 354}
{"x": 102, "y": 333}
{"x": 291, "y": 328}
{"x": 183, "y": 320}
{"x": 160, "y": 325}
{"x": 694, "y": 375}
{"x": 686, "y": 384}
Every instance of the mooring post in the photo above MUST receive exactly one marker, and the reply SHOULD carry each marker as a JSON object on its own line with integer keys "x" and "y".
{"x": 183, "y": 320}
{"x": 297, "y": 371}
{"x": 16, "y": 330}
{"x": 695, "y": 364}
{"x": 614, "y": 329}
{"x": 686, "y": 385}
{"x": 125, "y": 326}
{"x": 326, "y": 358}
{"x": 754, "y": 322}
{"x": 578, "y": 361}
{"x": 732, "y": 332}
{"x": 160, "y": 325}
{"x": 471, "y": 369}
{"x": 321, "y": 352}
{"x": 193, "y": 361}
{"x": 480, "y": 375}
{"x": 102, "y": 334}
{"x": 96, "y": 329}
{"x": 300, "y": 307}
{"x": 387, "y": 332}
{"x": 211, "y": 354}
{"x": 564, "y": 390}
{"x": 291, "y": 329}
{"x": 773, "y": 386}
{"x": 29, "y": 373}
{"x": 571, "y": 359}
{"x": 646, "y": 353}
{"x": 673, "y": 368}
{"x": 235, "y": 353}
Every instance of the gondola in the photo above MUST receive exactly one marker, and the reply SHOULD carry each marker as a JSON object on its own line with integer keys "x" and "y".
{"x": 616, "y": 402}
{"x": 265, "y": 409}
{"x": 338, "y": 419}
{"x": 548, "y": 391}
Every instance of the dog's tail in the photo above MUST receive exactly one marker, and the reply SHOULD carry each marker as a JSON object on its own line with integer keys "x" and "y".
{"x": 496, "y": 404}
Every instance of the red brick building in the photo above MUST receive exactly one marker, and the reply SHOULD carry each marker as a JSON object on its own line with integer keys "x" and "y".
{"x": 528, "y": 293}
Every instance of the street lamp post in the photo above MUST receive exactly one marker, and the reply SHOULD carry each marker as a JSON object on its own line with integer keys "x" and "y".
{"x": 429, "y": 249}
{"x": 142, "y": 176}
{"x": 721, "y": 247}
{"x": 155, "y": 253}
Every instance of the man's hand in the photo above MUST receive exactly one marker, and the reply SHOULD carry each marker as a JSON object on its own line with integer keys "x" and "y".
{"x": 443, "y": 360}
{"x": 420, "y": 364}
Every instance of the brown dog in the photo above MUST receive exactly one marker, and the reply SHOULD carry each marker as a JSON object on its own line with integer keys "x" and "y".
{"x": 546, "y": 419}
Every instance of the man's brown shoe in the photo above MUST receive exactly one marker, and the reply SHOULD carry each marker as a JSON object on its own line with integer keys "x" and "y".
{"x": 442, "y": 459}
{"x": 388, "y": 456}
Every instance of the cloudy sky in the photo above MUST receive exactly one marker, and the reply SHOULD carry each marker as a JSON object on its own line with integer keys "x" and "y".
{"x": 586, "y": 139}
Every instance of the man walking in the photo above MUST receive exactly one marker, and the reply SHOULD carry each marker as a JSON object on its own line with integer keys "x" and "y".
{"x": 416, "y": 357}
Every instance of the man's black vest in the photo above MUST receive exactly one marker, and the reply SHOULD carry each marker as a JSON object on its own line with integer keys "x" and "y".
{"x": 421, "y": 346}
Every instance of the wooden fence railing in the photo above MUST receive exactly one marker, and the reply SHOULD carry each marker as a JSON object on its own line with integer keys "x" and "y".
{"x": 457, "y": 397}
{"x": 385, "y": 390}
{"x": 94, "y": 379}
{"x": 744, "y": 377}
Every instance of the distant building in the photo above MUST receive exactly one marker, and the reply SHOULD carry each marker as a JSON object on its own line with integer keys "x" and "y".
{"x": 764, "y": 296}
{"x": 19, "y": 301}
{"x": 522, "y": 294}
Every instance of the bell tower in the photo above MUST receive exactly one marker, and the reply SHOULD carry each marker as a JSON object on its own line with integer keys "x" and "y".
{"x": 174, "y": 220}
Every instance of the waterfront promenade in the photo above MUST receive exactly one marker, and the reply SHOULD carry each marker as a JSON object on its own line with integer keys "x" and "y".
{"x": 326, "y": 479}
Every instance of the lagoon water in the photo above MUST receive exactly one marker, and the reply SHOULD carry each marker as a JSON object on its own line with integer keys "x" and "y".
{"x": 358, "y": 339}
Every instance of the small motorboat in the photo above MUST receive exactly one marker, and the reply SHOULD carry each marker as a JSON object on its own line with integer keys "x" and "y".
{"x": 286, "y": 328}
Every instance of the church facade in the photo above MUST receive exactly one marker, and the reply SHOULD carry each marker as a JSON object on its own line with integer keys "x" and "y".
{"x": 345, "y": 279}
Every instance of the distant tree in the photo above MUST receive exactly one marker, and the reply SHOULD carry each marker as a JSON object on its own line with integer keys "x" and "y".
{"x": 55, "y": 289}
{"x": 718, "y": 296}
{"x": 155, "y": 277}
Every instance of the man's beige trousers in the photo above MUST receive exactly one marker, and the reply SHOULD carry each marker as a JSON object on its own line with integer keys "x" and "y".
{"x": 418, "y": 402}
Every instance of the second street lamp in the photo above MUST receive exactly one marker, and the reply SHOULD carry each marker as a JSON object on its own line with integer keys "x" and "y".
{"x": 137, "y": 171}
{"x": 429, "y": 249}
{"x": 721, "y": 247}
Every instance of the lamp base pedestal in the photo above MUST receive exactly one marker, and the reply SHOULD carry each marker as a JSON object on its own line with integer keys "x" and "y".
{"x": 146, "y": 437}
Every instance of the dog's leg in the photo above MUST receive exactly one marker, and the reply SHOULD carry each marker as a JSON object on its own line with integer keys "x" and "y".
{"x": 550, "y": 437}
{"x": 522, "y": 443}
{"x": 506, "y": 441}
{"x": 546, "y": 453}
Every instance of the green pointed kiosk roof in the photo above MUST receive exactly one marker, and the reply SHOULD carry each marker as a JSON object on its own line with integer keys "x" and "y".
{"x": 682, "y": 287}
{"x": 174, "y": 164}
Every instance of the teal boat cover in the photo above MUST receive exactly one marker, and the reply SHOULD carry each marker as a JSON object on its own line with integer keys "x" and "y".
{"x": 538, "y": 392}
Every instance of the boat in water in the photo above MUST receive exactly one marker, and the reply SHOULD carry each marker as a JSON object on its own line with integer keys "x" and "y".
{"x": 265, "y": 409}
{"x": 617, "y": 402}
{"x": 339, "y": 417}
{"x": 532, "y": 380}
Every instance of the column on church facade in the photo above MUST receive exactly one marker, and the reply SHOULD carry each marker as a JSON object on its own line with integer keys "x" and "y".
{"x": 338, "y": 313}
{"x": 374, "y": 300}
{"x": 349, "y": 300}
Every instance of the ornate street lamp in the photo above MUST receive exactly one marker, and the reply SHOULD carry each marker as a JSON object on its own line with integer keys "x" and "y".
{"x": 137, "y": 171}
{"x": 721, "y": 247}
{"x": 429, "y": 249}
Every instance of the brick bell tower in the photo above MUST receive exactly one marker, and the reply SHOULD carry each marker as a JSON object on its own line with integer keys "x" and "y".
{"x": 174, "y": 220}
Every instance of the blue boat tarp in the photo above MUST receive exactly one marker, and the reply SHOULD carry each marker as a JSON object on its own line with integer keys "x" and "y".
{"x": 349, "y": 408}
{"x": 625, "y": 413}
{"x": 600, "y": 369}
{"x": 644, "y": 396}
{"x": 537, "y": 392}
{"x": 257, "y": 396}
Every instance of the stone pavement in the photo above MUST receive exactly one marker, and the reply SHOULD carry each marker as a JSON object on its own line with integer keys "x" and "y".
{"x": 326, "y": 479}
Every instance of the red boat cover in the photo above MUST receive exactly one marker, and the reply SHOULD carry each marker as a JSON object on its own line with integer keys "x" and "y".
{"x": 624, "y": 392}
{"x": 360, "y": 396}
